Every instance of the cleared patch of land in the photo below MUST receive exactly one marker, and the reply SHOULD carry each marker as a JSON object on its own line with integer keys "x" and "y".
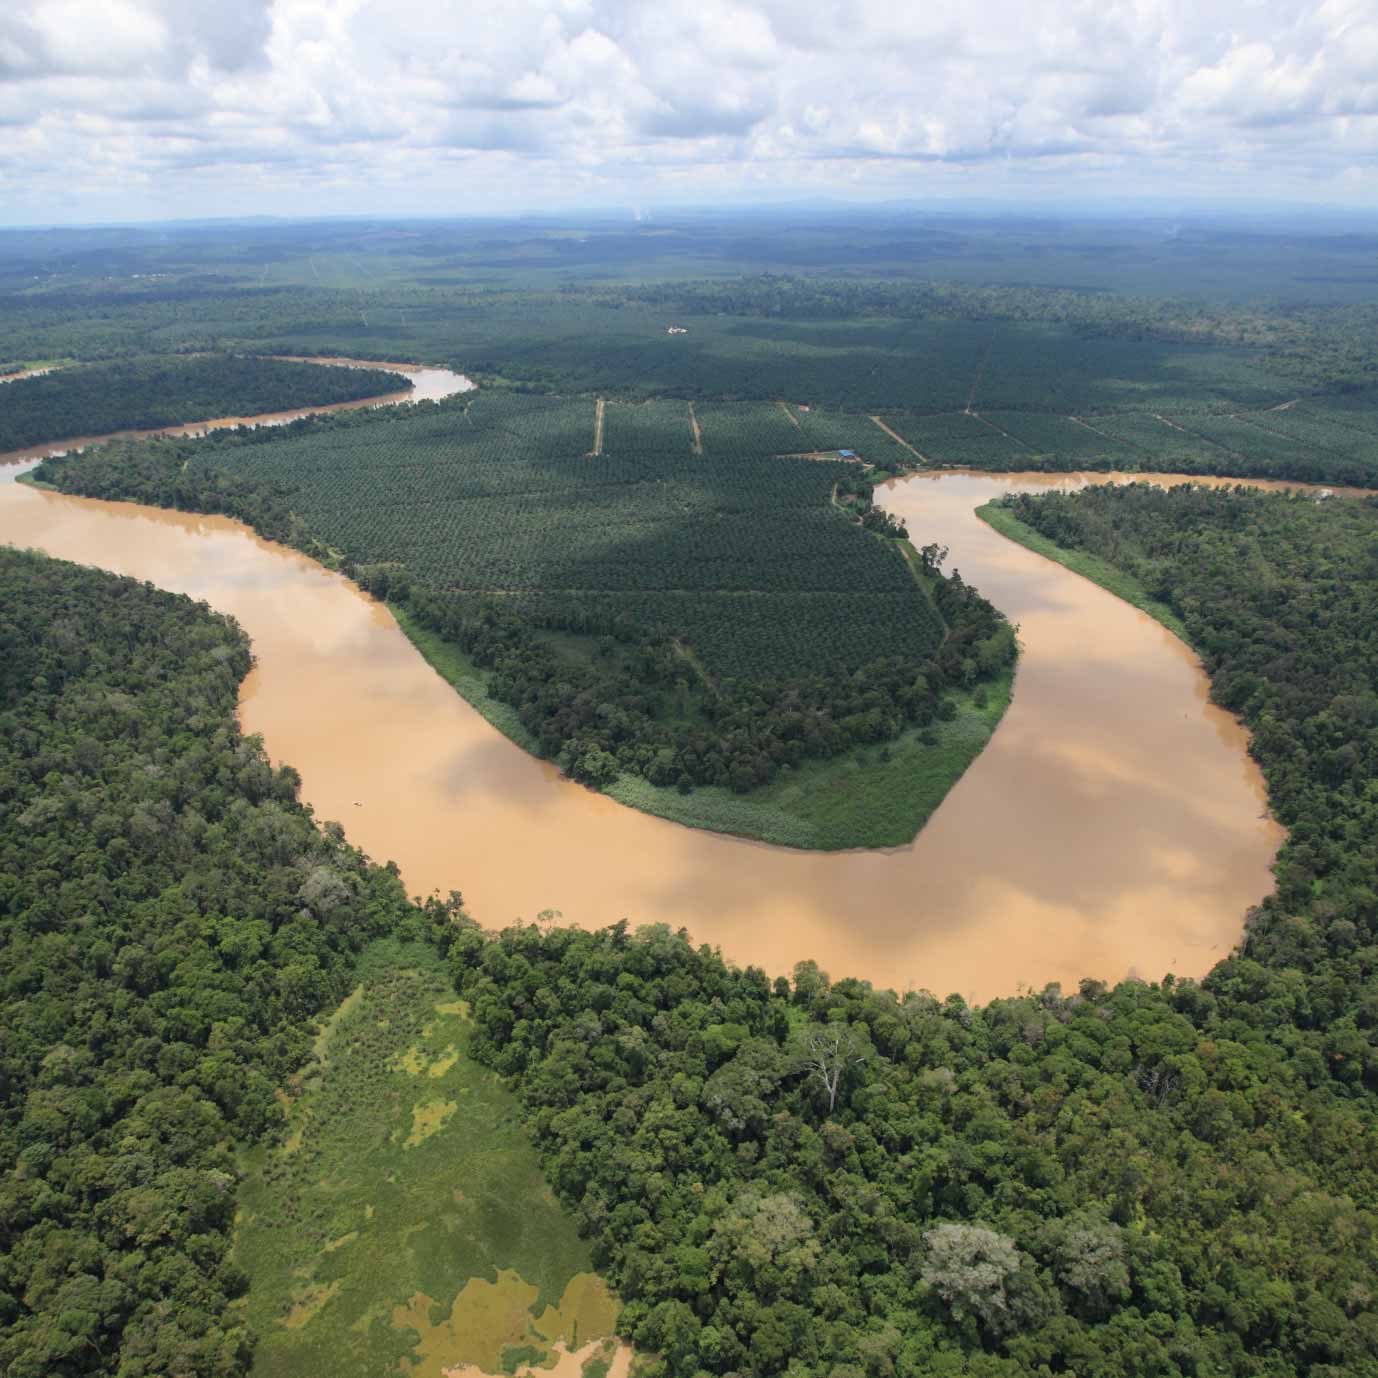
{"x": 402, "y": 1225}
{"x": 493, "y": 1327}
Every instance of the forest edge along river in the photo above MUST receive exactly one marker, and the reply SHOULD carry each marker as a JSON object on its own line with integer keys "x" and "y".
{"x": 1114, "y": 825}
{"x": 427, "y": 385}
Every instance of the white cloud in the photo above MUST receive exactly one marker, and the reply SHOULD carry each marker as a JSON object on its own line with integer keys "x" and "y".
{"x": 303, "y": 105}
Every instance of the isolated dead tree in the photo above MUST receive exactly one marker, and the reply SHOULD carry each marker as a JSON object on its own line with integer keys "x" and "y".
{"x": 827, "y": 1052}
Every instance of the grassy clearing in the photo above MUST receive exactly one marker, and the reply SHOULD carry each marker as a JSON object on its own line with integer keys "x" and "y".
{"x": 1092, "y": 567}
{"x": 402, "y": 1226}
{"x": 28, "y": 477}
{"x": 598, "y": 411}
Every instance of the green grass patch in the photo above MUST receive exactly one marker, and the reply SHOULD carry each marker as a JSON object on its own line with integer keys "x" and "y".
{"x": 578, "y": 648}
{"x": 28, "y": 477}
{"x": 1092, "y": 567}
{"x": 401, "y": 1225}
{"x": 879, "y": 796}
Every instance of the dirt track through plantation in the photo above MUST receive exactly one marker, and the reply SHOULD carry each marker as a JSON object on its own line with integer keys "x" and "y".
{"x": 900, "y": 440}
{"x": 698, "y": 434}
{"x": 598, "y": 409}
{"x": 1086, "y": 425}
{"x": 999, "y": 430}
{"x": 980, "y": 370}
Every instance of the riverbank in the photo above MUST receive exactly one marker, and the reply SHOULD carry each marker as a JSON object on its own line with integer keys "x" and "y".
{"x": 879, "y": 796}
{"x": 1117, "y": 581}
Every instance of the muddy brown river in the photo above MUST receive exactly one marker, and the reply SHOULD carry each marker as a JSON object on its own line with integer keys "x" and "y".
{"x": 1114, "y": 825}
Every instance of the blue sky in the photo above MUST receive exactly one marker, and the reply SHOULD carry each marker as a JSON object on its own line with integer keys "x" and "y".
{"x": 138, "y": 109}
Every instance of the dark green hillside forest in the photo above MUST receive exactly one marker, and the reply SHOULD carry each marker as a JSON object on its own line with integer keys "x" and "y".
{"x": 1158, "y": 1180}
{"x": 145, "y": 393}
{"x": 170, "y": 921}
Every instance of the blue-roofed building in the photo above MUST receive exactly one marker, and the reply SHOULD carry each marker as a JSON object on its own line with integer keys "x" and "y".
{"x": 846, "y": 454}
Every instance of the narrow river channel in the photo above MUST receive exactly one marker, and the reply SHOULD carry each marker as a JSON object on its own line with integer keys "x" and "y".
{"x": 1114, "y": 826}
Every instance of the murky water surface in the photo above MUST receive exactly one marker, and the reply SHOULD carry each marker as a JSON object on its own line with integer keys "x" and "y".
{"x": 1114, "y": 825}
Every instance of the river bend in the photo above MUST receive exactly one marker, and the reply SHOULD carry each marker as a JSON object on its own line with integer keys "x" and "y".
{"x": 1114, "y": 825}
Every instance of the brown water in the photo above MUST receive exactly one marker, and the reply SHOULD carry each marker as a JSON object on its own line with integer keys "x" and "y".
{"x": 1113, "y": 826}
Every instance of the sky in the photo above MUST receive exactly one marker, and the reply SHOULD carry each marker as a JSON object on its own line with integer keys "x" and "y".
{"x": 155, "y": 109}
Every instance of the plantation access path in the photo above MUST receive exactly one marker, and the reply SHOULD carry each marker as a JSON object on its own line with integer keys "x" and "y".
{"x": 1114, "y": 824}
{"x": 900, "y": 440}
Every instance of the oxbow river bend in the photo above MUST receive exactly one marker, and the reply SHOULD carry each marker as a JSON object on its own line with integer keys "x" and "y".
{"x": 1114, "y": 826}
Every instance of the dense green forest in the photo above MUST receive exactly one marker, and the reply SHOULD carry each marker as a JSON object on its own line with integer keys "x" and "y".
{"x": 1005, "y": 374}
{"x": 904, "y": 355}
{"x": 1300, "y": 261}
{"x": 734, "y": 612}
{"x": 814, "y": 1178}
{"x": 171, "y": 920}
{"x": 859, "y": 335}
{"x": 1317, "y": 347}
{"x": 145, "y": 393}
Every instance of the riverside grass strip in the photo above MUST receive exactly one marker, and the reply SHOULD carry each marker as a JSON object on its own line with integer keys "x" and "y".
{"x": 1117, "y": 581}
